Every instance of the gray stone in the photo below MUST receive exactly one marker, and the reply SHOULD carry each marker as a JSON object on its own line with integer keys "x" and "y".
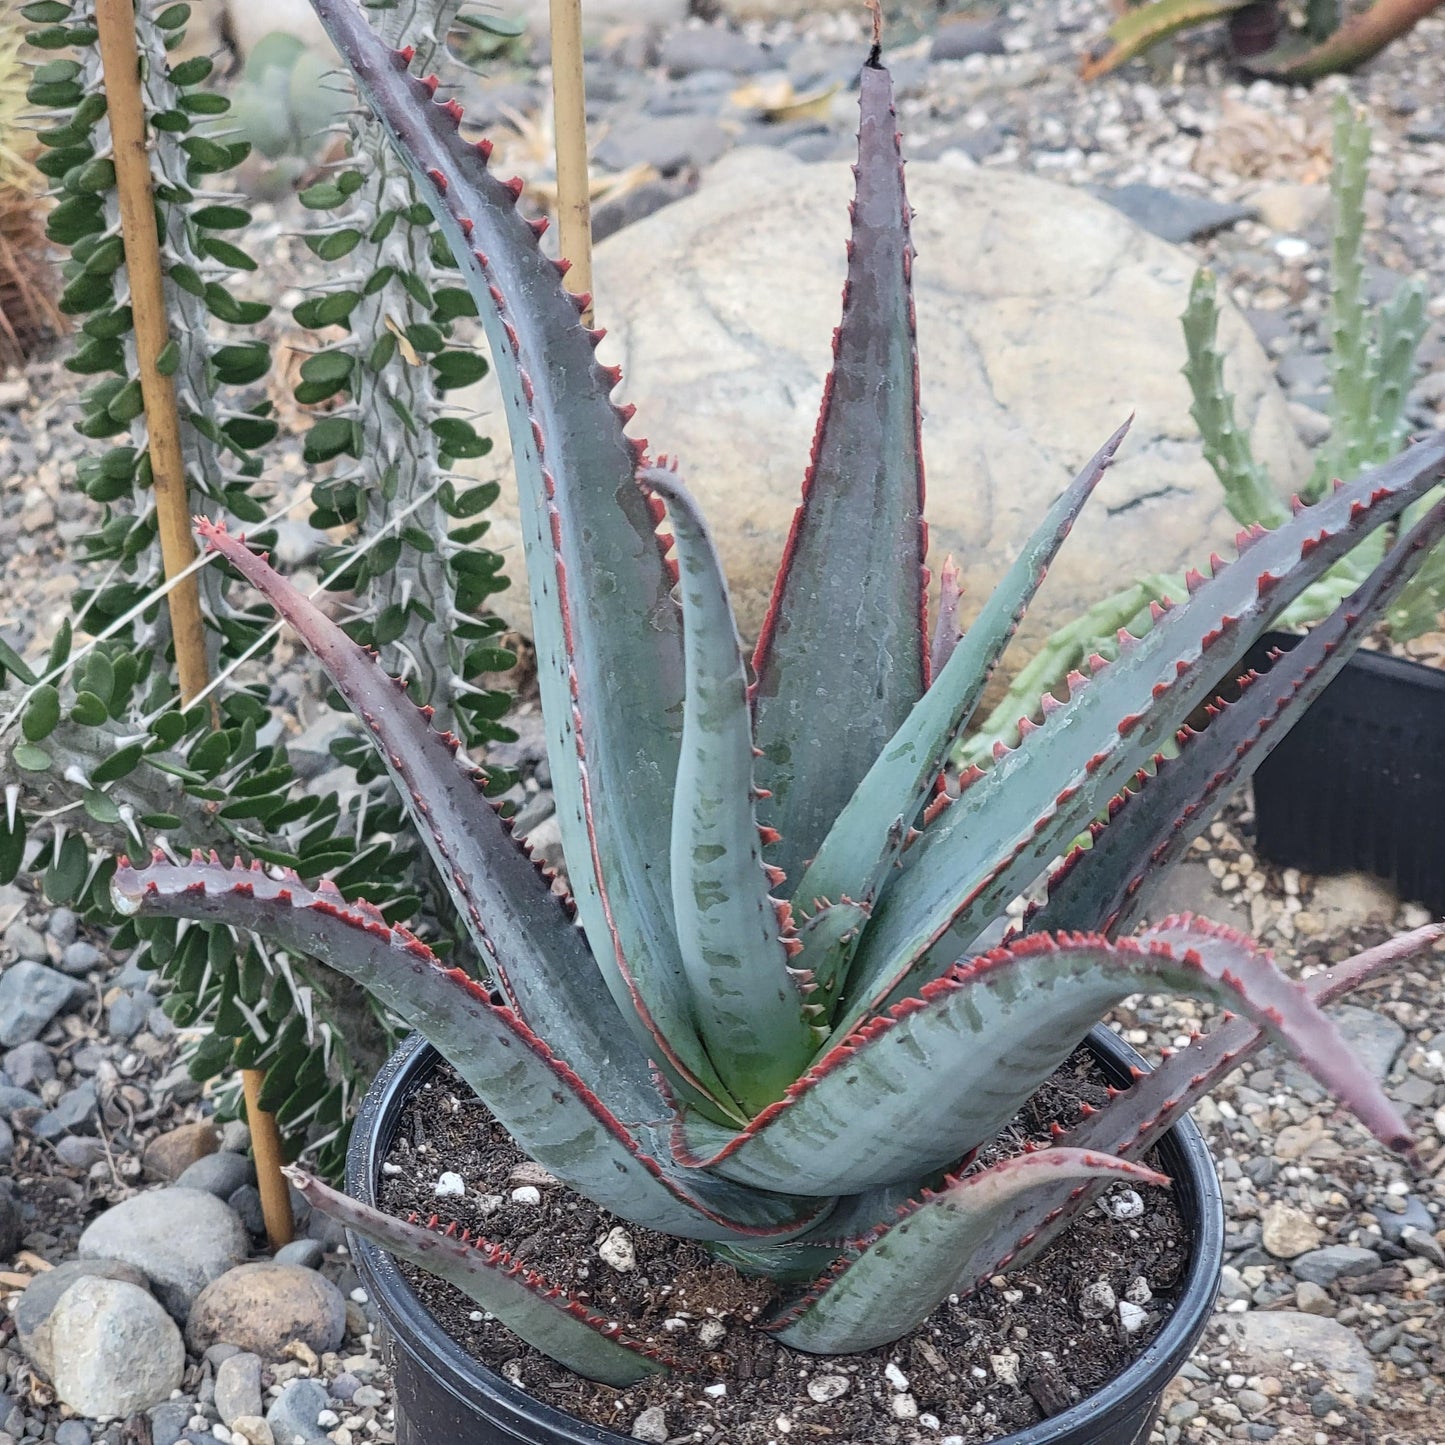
{"x": 238, "y": 1386}
{"x": 307, "y": 1253}
{"x": 540, "y": 805}
{"x": 1171, "y": 215}
{"x": 263, "y": 1307}
{"x": 1377, "y": 1040}
{"x": 181, "y": 1238}
{"x": 74, "y": 1113}
{"x": 1303, "y": 371}
{"x": 12, "y": 1099}
{"x": 1334, "y": 1261}
{"x": 63, "y": 926}
{"x": 344, "y": 1386}
{"x": 685, "y": 52}
{"x": 30, "y": 1065}
{"x": 246, "y": 1202}
{"x": 1043, "y": 315}
{"x": 958, "y": 39}
{"x": 35, "y": 1307}
{"x": 7, "y": 1142}
{"x": 72, "y": 1432}
{"x": 221, "y": 1174}
{"x": 24, "y": 942}
{"x": 30, "y": 996}
{"x": 80, "y": 957}
{"x": 635, "y": 204}
{"x": 1269, "y": 1342}
{"x": 168, "y": 1422}
{"x": 295, "y": 1413}
{"x": 668, "y": 143}
{"x": 1414, "y": 1215}
{"x": 78, "y": 1152}
{"x": 113, "y": 1348}
{"x": 127, "y": 1015}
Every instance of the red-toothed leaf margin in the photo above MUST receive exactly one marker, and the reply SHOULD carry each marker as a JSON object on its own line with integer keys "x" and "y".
{"x": 895, "y": 1278}
{"x": 607, "y": 631}
{"x": 730, "y": 930}
{"x": 868, "y": 835}
{"x": 842, "y": 657}
{"x": 1103, "y": 886}
{"x": 940, "y": 1074}
{"x": 562, "y": 1326}
{"x": 524, "y": 932}
{"x": 538, "y": 1098}
{"x": 1135, "y": 1119}
{"x": 1008, "y": 824}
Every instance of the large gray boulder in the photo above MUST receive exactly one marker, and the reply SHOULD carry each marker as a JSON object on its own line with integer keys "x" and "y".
{"x": 1044, "y": 317}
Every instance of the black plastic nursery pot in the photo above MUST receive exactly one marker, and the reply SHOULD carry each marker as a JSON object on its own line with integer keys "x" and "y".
{"x": 1359, "y": 782}
{"x": 445, "y": 1397}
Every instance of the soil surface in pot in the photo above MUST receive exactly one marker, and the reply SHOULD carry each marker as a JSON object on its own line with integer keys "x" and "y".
{"x": 1019, "y": 1350}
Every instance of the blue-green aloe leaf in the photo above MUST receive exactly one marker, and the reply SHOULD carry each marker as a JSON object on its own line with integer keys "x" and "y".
{"x": 748, "y": 1007}
{"x": 917, "y": 1088}
{"x": 849, "y": 599}
{"x": 1103, "y": 886}
{"x": 1136, "y": 1118}
{"x": 895, "y": 1278}
{"x": 868, "y": 834}
{"x": 523, "y": 931}
{"x": 603, "y": 616}
{"x": 540, "y": 1099}
{"x": 533, "y": 1308}
{"x": 1010, "y": 823}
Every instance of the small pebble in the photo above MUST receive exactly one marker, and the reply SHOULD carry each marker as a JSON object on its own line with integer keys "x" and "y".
{"x": 449, "y": 1186}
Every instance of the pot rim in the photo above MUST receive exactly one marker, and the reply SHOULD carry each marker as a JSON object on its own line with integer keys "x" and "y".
{"x": 477, "y": 1387}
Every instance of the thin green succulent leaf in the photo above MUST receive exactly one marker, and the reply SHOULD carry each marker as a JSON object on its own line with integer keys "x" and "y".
{"x": 841, "y": 657}
{"x": 863, "y": 843}
{"x": 601, "y": 600}
{"x": 539, "y": 1098}
{"x": 1400, "y": 328}
{"x": 1095, "y": 630}
{"x": 1135, "y": 1119}
{"x": 1008, "y": 824}
{"x": 897, "y": 1277}
{"x": 1248, "y": 493}
{"x": 1352, "y": 360}
{"x": 918, "y": 1087}
{"x": 523, "y": 930}
{"x": 1149, "y": 827}
{"x": 533, "y": 1308}
{"x": 749, "y": 1010}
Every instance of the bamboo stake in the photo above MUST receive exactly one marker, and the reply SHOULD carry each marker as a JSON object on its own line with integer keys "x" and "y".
{"x": 569, "y": 109}
{"x": 120, "y": 62}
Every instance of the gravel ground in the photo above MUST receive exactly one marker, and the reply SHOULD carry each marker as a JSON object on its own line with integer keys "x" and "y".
{"x": 1333, "y": 1307}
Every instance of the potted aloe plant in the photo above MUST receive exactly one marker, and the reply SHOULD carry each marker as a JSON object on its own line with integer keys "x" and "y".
{"x": 777, "y": 1016}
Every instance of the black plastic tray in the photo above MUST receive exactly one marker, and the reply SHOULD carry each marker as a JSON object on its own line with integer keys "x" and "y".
{"x": 1359, "y": 781}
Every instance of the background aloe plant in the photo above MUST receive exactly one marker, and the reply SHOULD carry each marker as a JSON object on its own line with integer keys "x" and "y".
{"x": 783, "y": 1026}
{"x": 1331, "y": 35}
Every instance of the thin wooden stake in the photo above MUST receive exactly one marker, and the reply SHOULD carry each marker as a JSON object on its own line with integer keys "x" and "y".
{"x": 569, "y": 109}
{"x": 120, "y": 61}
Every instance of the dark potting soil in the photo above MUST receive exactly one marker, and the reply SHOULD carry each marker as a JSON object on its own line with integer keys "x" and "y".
{"x": 1020, "y": 1349}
